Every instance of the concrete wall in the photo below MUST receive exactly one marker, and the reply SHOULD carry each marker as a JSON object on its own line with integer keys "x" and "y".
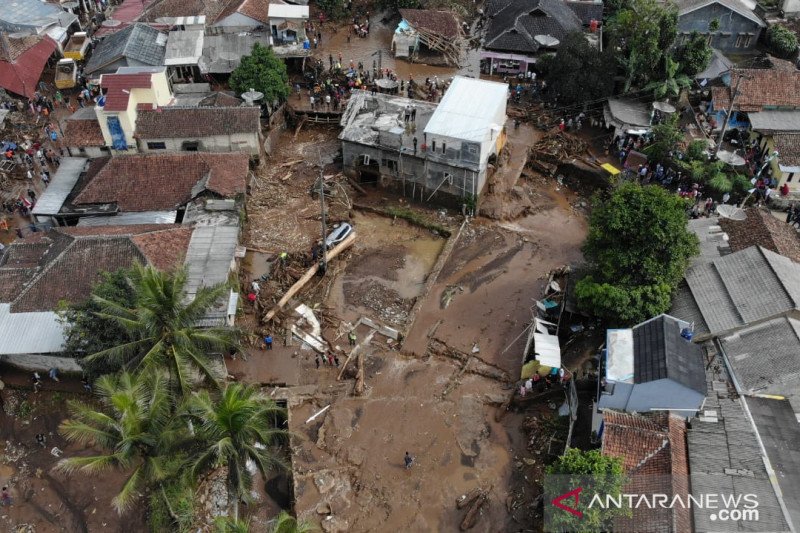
{"x": 242, "y": 142}
{"x": 237, "y": 22}
{"x": 417, "y": 176}
{"x": 731, "y": 25}
{"x": 300, "y": 33}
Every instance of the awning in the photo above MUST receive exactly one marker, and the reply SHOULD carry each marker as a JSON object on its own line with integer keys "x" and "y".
{"x": 546, "y": 347}
{"x": 611, "y": 169}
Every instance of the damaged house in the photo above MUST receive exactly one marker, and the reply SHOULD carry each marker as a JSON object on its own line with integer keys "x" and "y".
{"x": 424, "y": 32}
{"x": 424, "y": 150}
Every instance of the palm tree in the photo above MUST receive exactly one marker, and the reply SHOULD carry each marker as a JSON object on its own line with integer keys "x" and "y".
{"x": 234, "y": 430}
{"x": 134, "y": 427}
{"x": 162, "y": 328}
{"x": 286, "y": 523}
{"x": 672, "y": 83}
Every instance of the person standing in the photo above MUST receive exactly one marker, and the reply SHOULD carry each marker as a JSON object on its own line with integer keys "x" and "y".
{"x": 352, "y": 338}
{"x": 5, "y": 497}
{"x": 37, "y": 382}
{"x": 268, "y": 342}
{"x": 408, "y": 460}
{"x": 316, "y": 359}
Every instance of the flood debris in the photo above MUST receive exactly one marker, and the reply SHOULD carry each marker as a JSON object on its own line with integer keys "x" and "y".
{"x": 473, "y": 501}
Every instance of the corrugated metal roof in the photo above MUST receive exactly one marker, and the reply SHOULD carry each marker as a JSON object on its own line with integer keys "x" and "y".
{"x": 128, "y": 219}
{"x": 54, "y": 196}
{"x": 468, "y": 109}
{"x": 29, "y": 333}
{"x": 288, "y": 11}
{"x": 24, "y": 14}
{"x": 210, "y": 255}
{"x": 184, "y": 47}
{"x": 773, "y": 120}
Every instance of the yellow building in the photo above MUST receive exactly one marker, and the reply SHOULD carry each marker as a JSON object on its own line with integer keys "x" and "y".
{"x": 123, "y": 95}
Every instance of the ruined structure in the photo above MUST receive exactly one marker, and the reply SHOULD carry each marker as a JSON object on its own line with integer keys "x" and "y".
{"x": 425, "y": 150}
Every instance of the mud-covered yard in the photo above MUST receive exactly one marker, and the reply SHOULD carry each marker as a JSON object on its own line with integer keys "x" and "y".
{"x": 462, "y": 302}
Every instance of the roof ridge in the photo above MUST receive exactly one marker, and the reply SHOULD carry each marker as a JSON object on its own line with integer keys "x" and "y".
{"x": 781, "y": 281}
{"x": 664, "y": 444}
{"x": 41, "y": 272}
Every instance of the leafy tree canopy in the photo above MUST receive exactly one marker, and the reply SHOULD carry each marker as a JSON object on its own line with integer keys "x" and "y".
{"x": 672, "y": 83}
{"x": 642, "y": 32}
{"x": 596, "y": 474}
{"x": 666, "y": 136}
{"x": 579, "y": 71}
{"x": 638, "y": 248}
{"x": 694, "y": 55}
{"x": 782, "y": 41}
{"x": 263, "y": 71}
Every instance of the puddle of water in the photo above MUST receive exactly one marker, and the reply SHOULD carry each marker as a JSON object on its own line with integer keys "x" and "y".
{"x": 257, "y": 264}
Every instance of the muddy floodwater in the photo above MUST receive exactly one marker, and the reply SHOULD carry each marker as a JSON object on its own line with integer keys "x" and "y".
{"x": 392, "y": 261}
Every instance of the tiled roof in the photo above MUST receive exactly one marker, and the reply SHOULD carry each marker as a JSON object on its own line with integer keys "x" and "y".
{"x": 23, "y": 63}
{"x": 587, "y": 11}
{"x": 687, "y": 6}
{"x": 442, "y": 23}
{"x": 220, "y": 99}
{"x": 64, "y": 263}
{"x": 514, "y": 24}
{"x": 661, "y": 353}
{"x": 744, "y": 287}
{"x": 139, "y": 42}
{"x": 653, "y": 452}
{"x": 762, "y": 229}
{"x": 760, "y": 89}
{"x": 182, "y": 8}
{"x": 788, "y": 147}
{"x": 13, "y": 47}
{"x": 167, "y": 179}
{"x": 118, "y": 88}
{"x": 255, "y": 9}
{"x": 83, "y": 133}
{"x": 195, "y": 122}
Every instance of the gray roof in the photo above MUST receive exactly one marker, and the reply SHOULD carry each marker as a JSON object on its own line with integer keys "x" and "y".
{"x": 724, "y": 457}
{"x": 687, "y": 6}
{"x": 184, "y": 47}
{"x": 514, "y": 24}
{"x": 685, "y": 307}
{"x": 222, "y": 53}
{"x": 127, "y": 219}
{"x": 29, "y": 333}
{"x": 139, "y": 42}
{"x": 744, "y": 287}
{"x": 67, "y": 175}
{"x": 718, "y": 64}
{"x": 713, "y": 240}
{"x": 586, "y": 10}
{"x": 24, "y": 15}
{"x": 766, "y": 357}
{"x": 775, "y": 121}
{"x": 780, "y": 434}
{"x": 630, "y": 112}
{"x": 661, "y": 353}
{"x": 209, "y": 256}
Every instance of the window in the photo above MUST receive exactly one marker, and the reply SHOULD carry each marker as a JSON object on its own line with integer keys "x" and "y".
{"x": 156, "y": 146}
{"x": 190, "y": 146}
{"x": 82, "y": 151}
{"x": 791, "y": 175}
{"x": 740, "y": 40}
{"x": 743, "y": 40}
{"x": 747, "y": 40}
{"x": 444, "y": 146}
{"x": 391, "y": 164}
{"x": 449, "y": 178}
{"x": 433, "y": 146}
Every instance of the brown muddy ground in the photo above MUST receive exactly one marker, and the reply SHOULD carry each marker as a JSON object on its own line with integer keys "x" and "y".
{"x": 434, "y": 398}
{"x": 46, "y": 500}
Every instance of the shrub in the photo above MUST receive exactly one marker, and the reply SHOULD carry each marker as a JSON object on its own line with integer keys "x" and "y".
{"x": 782, "y": 41}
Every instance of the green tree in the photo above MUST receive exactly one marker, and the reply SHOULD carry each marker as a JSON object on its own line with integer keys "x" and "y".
{"x": 579, "y": 71}
{"x": 666, "y": 137}
{"x": 135, "y": 429}
{"x": 161, "y": 328}
{"x": 596, "y": 474}
{"x": 694, "y": 55}
{"x": 696, "y": 151}
{"x": 671, "y": 83}
{"x": 781, "y": 41}
{"x": 638, "y": 248}
{"x": 263, "y": 71}
{"x": 86, "y": 332}
{"x": 238, "y": 427}
{"x": 642, "y": 33}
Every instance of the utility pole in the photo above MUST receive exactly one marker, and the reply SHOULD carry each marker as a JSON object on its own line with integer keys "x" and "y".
{"x": 727, "y": 117}
{"x": 323, "y": 267}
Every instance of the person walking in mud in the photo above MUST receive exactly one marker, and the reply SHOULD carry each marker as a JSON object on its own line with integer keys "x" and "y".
{"x": 352, "y": 337}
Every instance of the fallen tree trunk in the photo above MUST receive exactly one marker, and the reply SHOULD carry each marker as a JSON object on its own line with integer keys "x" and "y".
{"x": 294, "y": 289}
{"x": 468, "y": 498}
{"x": 471, "y": 518}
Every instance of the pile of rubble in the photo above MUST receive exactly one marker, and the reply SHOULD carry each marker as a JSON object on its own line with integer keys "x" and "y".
{"x": 558, "y": 146}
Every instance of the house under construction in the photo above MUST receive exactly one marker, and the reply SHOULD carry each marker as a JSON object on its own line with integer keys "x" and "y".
{"x": 425, "y": 32}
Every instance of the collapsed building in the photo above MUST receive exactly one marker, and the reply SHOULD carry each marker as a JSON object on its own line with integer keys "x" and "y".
{"x": 424, "y": 150}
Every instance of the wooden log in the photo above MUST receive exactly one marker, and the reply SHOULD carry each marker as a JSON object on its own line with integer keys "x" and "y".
{"x": 468, "y": 498}
{"x": 294, "y": 289}
{"x": 359, "y": 388}
{"x": 471, "y": 518}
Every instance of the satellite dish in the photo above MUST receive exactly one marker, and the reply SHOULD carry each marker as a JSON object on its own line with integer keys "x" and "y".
{"x": 664, "y": 107}
{"x": 111, "y": 23}
{"x": 731, "y": 158}
{"x": 731, "y": 212}
{"x": 251, "y": 96}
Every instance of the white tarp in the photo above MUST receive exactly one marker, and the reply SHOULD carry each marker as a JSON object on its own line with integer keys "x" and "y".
{"x": 619, "y": 355}
{"x": 546, "y": 347}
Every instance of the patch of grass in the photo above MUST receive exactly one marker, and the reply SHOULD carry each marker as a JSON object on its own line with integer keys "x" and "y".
{"x": 24, "y": 409}
{"x": 416, "y": 218}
